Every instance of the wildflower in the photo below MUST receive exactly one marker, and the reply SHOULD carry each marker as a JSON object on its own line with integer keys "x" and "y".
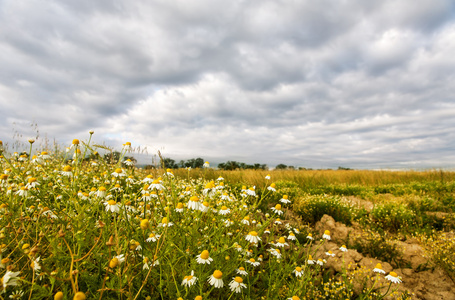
{"x": 251, "y": 191}
{"x": 310, "y": 260}
{"x": 112, "y": 206}
{"x": 206, "y": 164}
{"x": 281, "y": 242}
{"x": 272, "y": 187}
{"x": 378, "y": 269}
{"x": 253, "y": 262}
{"x": 119, "y": 173}
{"x": 326, "y": 235}
{"x": 220, "y": 178}
{"x": 101, "y": 192}
{"x": 17, "y": 295}
{"x": 152, "y": 237}
{"x": 278, "y": 221}
{"x": 10, "y": 278}
{"x": 237, "y": 284}
{"x": 165, "y": 223}
{"x": 216, "y": 279}
{"x": 309, "y": 236}
{"x": 252, "y": 237}
{"x": 393, "y": 277}
{"x": 298, "y": 272}
{"x": 204, "y": 258}
{"x": 294, "y": 298}
{"x": 193, "y": 203}
{"x": 45, "y": 155}
{"x": 275, "y": 252}
{"x": 79, "y": 296}
{"x": 343, "y": 248}
{"x": 285, "y": 199}
{"x": 179, "y": 207}
{"x": 156, "y": 185}
{"x": 204, "y": 207}
{"x": 35, "y": 265}
{"x": 189, "y": 280}
{"x": 116, "y": 260}
{"x": 225, "y": 196}
{"x": 330, "y": 253}
{"x": 267, "y": 177}
{"x": 321, "y": 262}
{"x": 241, "y": 271}
{"x": 144, "y": 224}
{"x": 23, "y": 191}
{"x": 32, "y": 183}
{"x": 127, "y": 146}
{"x": 277, "y": 209}
{"x": 224, "y": 210}
{"x": 291, "y": 236}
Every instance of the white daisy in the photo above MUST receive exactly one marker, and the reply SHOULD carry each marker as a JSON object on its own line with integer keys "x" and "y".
{"x": 252, "y": 237}
{"x": 216, "y": 279}
{"x": 204, "y": 258}
{"x": 298, "y": 272}
{"x": 189, "y": 280}
{"x": 237, "y": 284}
{"x": 393, "y": 277}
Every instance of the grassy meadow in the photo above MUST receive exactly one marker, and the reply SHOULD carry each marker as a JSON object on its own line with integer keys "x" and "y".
{"x": 77, "y": 226}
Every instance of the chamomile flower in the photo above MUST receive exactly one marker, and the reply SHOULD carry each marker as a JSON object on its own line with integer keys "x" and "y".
{"x": 22, "y": 192}
{"x": 147, "y": 179}
{"x": 251, "y": 191}
{"x": 277, "y": 209}
{"x": 226, "y": 197}
{"x": 45, "y": 155}
{"x": 35, "y": 264}
{"x": 310, "y": 260}
{"x": 224, "y": 210}
{"x": 281, "y": 242}
{"x": 272, "y": 187}
{"x": 216, "y": 279}
{"x": 152, "y": 237}
{"x": 193, "y": 203}
{"x": 326, "y": 235}
{"x": 119, "y": 172}
{"x": 165, "y": 223}
{"x": 310, "y": 236}
{"x": 179, "y": 207}
{"x": 206, "y": 164}
{"x": 246, "y": 220}
{"x": 298, "y": 272}
{"x": 101, "y": 192}
{"x": 112, "y": 206}
{"x": 156, "y": 185}
{"x": 32, "y": 183}
{"x": 128, "y": 162}
{"x": 237, "y": 284}
{"x": 285, "y": 199}
{"x": 253, "y": 262}
{"x": 393, "y": 277}
{"x": 291, "y": 236}
{"x": 267, "y": 177}
{"x": 189, "y": 280}
{"x": 321, "y": 261}
{"x": 220, "y": 178}
{"x": 252, "y": 237}
{"x": 204, "y": 258}
{"x": 116, "y": 260}
{"x": 275, "y": 252}
{"x": 278, "y": 221}
{"x": 294, "y": 298}
{"x": 204, "y": 207}
{"x": 343, "y": 248}
{"x": 330, "y": 253}
{"x": 378, "y": 269}
{"x": 127, "y": 146}
{"x": 241, "y": 271}
{"x": 10, "y": 278}
{"x": 67, "y": 171}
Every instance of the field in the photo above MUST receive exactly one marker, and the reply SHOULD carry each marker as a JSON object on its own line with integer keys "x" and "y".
{"x": 77, "y": 226}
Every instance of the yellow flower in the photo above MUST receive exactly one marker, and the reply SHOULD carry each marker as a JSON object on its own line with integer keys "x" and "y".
{"x": 144, "y": 224}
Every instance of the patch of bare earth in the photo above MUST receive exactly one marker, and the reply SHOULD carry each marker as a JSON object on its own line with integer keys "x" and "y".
{"x": 420, "y": 278}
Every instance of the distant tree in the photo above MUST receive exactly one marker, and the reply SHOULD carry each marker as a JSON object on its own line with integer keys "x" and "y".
{"x": 344, "y": 168}
{"x": 112, "y": 157}
{"x": 169, "y": 163}
{"x": 281, "y": 167}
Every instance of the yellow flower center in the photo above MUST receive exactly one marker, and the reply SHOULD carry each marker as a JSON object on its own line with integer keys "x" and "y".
{"x": 253, "y": 233}
{"x": 67, "y": 169}
{"x": 111, "y": 202}
{"x": 113, "y": 263}
{"x": 242, "y": 269}
{"x": 156, "y": 181}
{"x": 217, "y": 274}
{"x": 285, "y": 196}
{"x": 378, "y": 266}
{"x": 238, "y": 279}
{"x": 75, "y": 142}
{"x": 281, "y": 240}
{"x": 194, "y": 199}
{"x": 273, "y": 185}
{"x": 278, "y": 206}
{"x": 179, "y": 205}
{"x": 327, "y": 232}
{"x": 127, "y": 144}
{"x": 164, "y": 220}
{"x": 393, "y": 274}
{"x": 252, "y": 260}
{"x": 118, "y": 170}
{"x": 224, "y": 207}
{"x": 298, "y": 269}
{"x": 102, "y": 189}
{"x": 206, "y": 204}
{"x": 144, "y": 224}
{"x": 310, "y": 257}
{"x": 205, "y": 254}
{"x": 32, "y": 179}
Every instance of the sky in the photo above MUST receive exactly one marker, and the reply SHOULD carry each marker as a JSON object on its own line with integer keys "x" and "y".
{"x": 316, "y": 84}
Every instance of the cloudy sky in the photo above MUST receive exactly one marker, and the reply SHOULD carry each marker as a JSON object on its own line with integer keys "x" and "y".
{"x": 321, "y": 84}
